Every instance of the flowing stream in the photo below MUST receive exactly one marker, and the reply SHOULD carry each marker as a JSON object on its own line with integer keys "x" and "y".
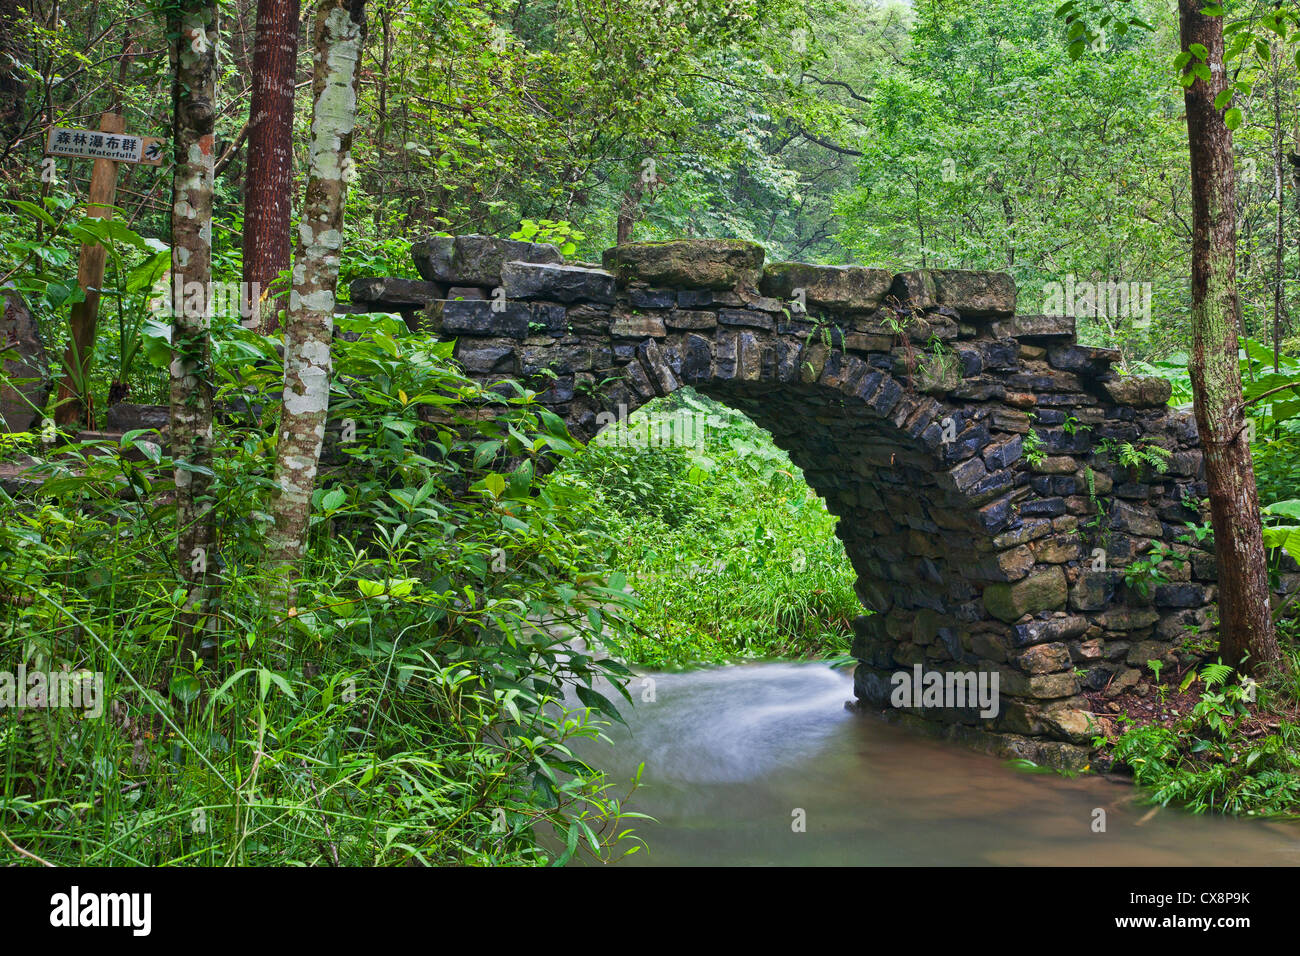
{"x": 733, "y": 754}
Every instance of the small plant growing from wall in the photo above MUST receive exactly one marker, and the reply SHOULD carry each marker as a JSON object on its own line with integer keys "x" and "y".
{"x": 940, "y": 368}
{"x": 1032, "y": 445}
{"x": 1137, "y": 458}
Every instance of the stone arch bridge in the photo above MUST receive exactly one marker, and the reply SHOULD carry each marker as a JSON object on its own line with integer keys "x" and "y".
{"x": 968, "y": 452}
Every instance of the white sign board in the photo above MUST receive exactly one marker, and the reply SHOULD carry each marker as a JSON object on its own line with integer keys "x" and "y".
{"x": 93, "y": 144}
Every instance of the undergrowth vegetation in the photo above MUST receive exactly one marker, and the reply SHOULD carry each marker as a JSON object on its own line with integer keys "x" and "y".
{"x": 1221, "y": 757}
{"x": 414, "y": 705}
{"x": 730, "y": 552}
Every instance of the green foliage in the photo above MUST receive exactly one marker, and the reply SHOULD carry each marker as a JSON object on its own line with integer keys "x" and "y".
{"x": 989, "y": 149}
{"x": 562, "y": 234}
{"x": 1139, "y": 456}
{"x": 39, "y": 258}
{"x": 414, "y": 706}
{"x": 1205, "y": 764}
{"x": 1272, "y": 402}
{"x": 1145, "y": 573}
{"x": 1033, "y": 447}
{"x": 730, "y": 554}
{"x": 1277, "y": 391}
{"x": 1279, "y": 535}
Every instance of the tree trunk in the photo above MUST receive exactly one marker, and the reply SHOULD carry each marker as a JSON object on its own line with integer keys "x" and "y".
{"x": 629, "y": 210}
{"x": 13, "y": 85}
{"x": 1279, "y": 300}
{"x": 338, "y": 36}
{"x": 194, "y": 69}
{"x": 1246, "y": 638}
{"x": 269, "y": 180}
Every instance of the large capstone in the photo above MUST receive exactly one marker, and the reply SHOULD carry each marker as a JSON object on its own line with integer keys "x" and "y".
{"x": 701, "y": 263}
{"x": 475, "y": 260}
{"x": 846, "y": 290}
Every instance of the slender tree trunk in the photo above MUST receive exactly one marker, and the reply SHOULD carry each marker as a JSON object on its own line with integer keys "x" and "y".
{"x": 13, "y": 85}
{"x": 629, "y": 211}
{"x": 118, "y": 391}
{"x": 338, "y": 37}
{"x": 1293, "y": 161}
{"x": 269, "y": 180}
{"x": 1245, "y": 625}
{"x": 1279, "y": 301}
{"x": 194, "y": 69}
{"x": 385, "y": 66}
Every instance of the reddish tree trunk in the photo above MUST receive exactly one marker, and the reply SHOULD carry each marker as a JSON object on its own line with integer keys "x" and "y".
{"x": 269, "y": 180}
{"x": 1245, "y": 624}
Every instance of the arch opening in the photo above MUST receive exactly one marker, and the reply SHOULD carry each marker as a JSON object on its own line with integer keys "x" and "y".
{"x": 733, "y": 554}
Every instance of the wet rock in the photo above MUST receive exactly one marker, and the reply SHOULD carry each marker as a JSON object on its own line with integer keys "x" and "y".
{"x": 637, "y": 327}
{"x": 1043, "y": 659}
{"x": 837, "y": 289}
{"x": 1122, "y": 681}
{"x": 975, "y": 294}
{"x": 1061, "y": 628}
{"x": 533, "y": 280}
{"x": 480, "y": 317}
{"x": 392, "y": 294}
{"x": 1035, "y": 327}
{"x": 1042, "y": 591}
{"x": 124, "y": 417}
{"x": 1138, "y": 391}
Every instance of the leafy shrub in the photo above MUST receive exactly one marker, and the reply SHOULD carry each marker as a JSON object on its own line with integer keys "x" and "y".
{"x": 412, "y": 706}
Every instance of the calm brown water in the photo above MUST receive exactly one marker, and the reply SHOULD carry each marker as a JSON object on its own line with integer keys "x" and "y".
{"x": 733, "y": 753}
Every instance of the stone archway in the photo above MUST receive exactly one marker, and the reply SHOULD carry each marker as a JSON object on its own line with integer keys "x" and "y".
{"x": 969, "y": 453}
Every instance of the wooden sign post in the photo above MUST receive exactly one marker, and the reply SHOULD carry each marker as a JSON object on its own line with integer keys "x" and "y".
{"x": 107, "y": 146}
